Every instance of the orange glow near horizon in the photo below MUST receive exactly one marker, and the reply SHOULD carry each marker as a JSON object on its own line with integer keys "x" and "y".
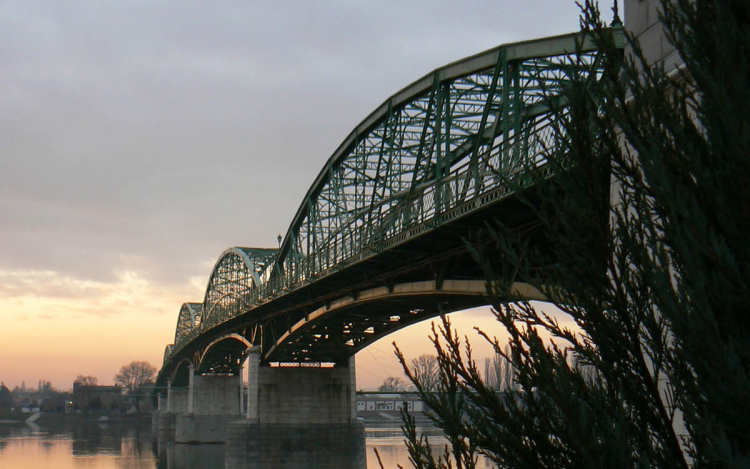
{"x": 56, "y": 328}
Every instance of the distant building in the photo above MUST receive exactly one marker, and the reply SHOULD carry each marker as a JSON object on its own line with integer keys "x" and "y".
{"x": 388, "y": 405}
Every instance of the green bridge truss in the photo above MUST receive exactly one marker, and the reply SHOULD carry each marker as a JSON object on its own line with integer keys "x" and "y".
{"x": 434, "y": 151}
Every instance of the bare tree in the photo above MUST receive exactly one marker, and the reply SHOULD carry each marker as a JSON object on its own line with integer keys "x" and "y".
{"x": 83, "y": 394}
{"x": 136, "y": 377}
{"x": 86, "y": 380}
{"x": 498, "y": 371}
{"x": 393, "y": 383}
{"x": 426, "y": 371}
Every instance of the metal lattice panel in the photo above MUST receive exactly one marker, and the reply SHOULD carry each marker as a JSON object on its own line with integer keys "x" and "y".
{"x": 426, "y": 154}
{"x": 230, "y": 287}
{"x": 188, "y": 320}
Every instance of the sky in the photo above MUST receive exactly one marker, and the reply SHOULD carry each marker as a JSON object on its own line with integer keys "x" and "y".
{"x": 140, "y": 139}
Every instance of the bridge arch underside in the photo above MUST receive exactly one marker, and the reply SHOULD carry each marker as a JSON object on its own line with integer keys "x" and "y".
{"x": 181, "y": 374}
{"x": 224, "y": 355}
{"x": 339, "y": 330}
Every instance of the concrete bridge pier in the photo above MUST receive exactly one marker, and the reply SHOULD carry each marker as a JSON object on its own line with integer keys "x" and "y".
{"x": 161, "y": 407}
{"x": 297, "y": 417}
{"x": 175, "y": 402}
{"x": 211, "y": 402}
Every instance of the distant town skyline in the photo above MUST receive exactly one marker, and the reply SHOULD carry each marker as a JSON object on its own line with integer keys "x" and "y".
{"x": 141, "y": 140}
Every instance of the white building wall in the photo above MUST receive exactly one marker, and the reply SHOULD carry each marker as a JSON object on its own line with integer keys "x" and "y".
{"x": 642, "y": 20}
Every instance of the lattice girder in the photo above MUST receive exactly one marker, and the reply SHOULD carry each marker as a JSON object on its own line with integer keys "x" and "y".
{"x": 433, "y": 145}
{"x": 188, "y": 320}
{"x": 235, "y": 276}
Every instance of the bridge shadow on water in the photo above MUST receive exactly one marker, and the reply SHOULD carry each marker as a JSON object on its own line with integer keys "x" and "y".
{"x": 276, "y": 449}
{"x": 182, "y": 456}
{"x": 317, "y": 452}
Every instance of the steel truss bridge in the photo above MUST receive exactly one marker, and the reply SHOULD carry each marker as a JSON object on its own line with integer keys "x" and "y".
{"x": 379, "y": 241}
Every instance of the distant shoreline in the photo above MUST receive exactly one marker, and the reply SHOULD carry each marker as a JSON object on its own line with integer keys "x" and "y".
{"x": 55, "y": 418}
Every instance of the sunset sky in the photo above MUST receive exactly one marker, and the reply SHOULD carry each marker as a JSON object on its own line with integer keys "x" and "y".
{"x": 139, "y": 140}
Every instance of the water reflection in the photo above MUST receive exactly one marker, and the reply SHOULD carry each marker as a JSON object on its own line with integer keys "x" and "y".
{"x": 390, "y": 446}
{"x": 130, "y": 446}
{"x": 94, "y": 439}
{"x": 182, "y": 456}
{"x": 61, "y": 445}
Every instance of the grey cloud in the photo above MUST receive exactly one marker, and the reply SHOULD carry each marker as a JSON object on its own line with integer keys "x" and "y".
{"x": 152, "y": 135}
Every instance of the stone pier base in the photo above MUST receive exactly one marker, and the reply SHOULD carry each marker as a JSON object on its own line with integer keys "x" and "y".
{"x": 286, "y": 446}
{"x": 164, "y": 424}
{"x": 188, "y": 456}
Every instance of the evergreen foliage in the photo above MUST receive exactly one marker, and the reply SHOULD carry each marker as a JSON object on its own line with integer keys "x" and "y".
{"x": 656, "y": 283}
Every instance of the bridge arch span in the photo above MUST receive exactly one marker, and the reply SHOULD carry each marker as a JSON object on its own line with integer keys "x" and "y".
{"x": 188, "y": 320}
{"x": 235, "y": 275}
{"x": 181, "y": 375}
{"x": 224, "y": 354}
{"x": 333, "y": 332}
{"x": 427, "y": 149}
{"x": 167, "y": 353}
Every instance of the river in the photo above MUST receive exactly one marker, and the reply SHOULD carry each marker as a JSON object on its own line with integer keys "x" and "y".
{"x": 131, "y": 446}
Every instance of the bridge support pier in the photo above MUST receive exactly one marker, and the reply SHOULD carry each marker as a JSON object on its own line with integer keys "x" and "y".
{"x": 161, "y": 407}
{"x": 212, "y": 401}
{"x": 297, "y": 418}
{"x": 175, "y": 402}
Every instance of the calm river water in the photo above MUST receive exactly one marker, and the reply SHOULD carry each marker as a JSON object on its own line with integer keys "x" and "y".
{"x": 110, "y": 446}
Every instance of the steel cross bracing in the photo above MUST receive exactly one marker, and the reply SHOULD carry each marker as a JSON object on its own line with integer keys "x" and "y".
{"x": 234, "y": 280}
{"x": 188, "y": 320}
{"x": 436, "y": 150}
